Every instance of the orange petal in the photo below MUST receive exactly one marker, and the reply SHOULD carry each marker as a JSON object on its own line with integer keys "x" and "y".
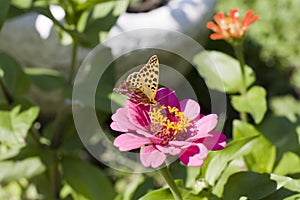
{"x": 217, "y": 36}
{"x": 213, "y": 27}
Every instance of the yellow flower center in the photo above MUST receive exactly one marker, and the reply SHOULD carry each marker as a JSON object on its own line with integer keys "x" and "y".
{"x": 169, "y": 121}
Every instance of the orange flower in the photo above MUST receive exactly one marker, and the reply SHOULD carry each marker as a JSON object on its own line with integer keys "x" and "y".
{"x": 231, "y": 28}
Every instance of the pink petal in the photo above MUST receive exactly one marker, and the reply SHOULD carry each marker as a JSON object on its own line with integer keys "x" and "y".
{"x": 217, "y": 141}
{"x": 129, "y": 141}
{"x": 121, "y": 122}
{"x": 138, "y": 115}
{"x": 179, "y": 143}
{"x": 166, "y": 96}
{"x": 194, "y": 155}
{"x": 190, "y": 108}
{"x": 207, "y": 123}
{"x": 115, "y": 126}
{"x": 203, "y": 126}
{"x": 150, "y": 156}
{"x": 172, "y": 150}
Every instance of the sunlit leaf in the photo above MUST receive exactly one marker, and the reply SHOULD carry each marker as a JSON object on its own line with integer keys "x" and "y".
{"x": 14, "y": 170}
{"x": 262, "y": 153}
{"x": 243, "y": 129}
{"x": 286, "y": 182}
{"x": 14, "y": 125}
{"x": 220, "y": 160}
{"x": 222, "y": 72}
{"x": 24, "y": 4}
{"x": 233, "y": 167}
{"x": 289, "y": 164}
{"x": 262, "y": 156}
{"x": 253, "y": 102}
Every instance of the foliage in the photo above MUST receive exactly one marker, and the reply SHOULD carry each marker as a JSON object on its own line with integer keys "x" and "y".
{"x": 275, "y": 34}
{"x": 43, "y": 157}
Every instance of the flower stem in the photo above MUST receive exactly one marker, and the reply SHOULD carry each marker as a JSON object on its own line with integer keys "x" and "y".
{"x": 59, "y": 124}
{"x": 73, "y": 61}
{"x": 239, "y": 52}
{"x": 55, "y": 178}
{"x": 173, "y": 187}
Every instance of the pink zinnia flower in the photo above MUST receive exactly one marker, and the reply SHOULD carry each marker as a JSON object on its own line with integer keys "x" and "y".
{"x": 169, "y": 128}
{"x": 231, "y": 28}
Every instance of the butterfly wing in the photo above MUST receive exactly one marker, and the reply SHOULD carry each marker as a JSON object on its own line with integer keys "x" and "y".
{"x": 142, "y": 86}
{"x": 149, "y": 75}
{"x": 136, "y": 85}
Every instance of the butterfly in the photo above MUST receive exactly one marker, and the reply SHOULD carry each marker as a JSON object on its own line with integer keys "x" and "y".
{"x": 141, "y": 86}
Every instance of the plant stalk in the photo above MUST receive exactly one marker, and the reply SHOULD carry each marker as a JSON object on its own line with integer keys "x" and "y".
{"x": 59, "y": 125}
{"x": 55, "y": 178}
{"x": 239, "y": 53}
{"x": 173, "y": 187}
{"x": 73, "y": 61}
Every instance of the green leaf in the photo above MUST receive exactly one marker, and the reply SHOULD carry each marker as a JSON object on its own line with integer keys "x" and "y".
{"x": 97, "y": 21}
{"x": 15, "y": 170}
{"x": 243, "y": 129}
{"x": 293, "y": 197}
{"x": 129, "y": 185}
{"x": 249, "y": 184}
{"x": 191, "y": 178}
{"x": 289, "y": 164}
{"x": 222, "y": 72}
{"x": 262, "y": 156}
{"x": 45, "y": 79}
{"x": 13, "y": 190}
{"x": 286, "y": 106}
{"x": 253, "y": 102}
{"x": 24, "y": 4}
{"x": 165, "y": 194}
{"x": 283, "y": 134}
{"x": 14, "y": 79}
{"x": 90, "y": 4}
{"x": 286, "y": 182}
{"x": 221, "y": 158}
{"x": 262, "y": 153}
{"x": 3, "y": 11}
{"x": 68, "y": 190}
{"x": 14, "y": 125}
{"x": 86, "y": 180}
{"x": 232, "y": 168}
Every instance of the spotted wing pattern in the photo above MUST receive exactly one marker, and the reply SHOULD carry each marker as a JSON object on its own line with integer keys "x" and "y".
{"x": 142, "y": 85}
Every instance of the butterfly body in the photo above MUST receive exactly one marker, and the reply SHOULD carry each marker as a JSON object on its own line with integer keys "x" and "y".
{"x": 142, "y": 86}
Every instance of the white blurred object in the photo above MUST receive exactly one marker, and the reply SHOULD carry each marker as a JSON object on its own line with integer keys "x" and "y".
{"x": 185, "y": 16}
{"x": 35, "y": 43}
{"x": 156, "y": 30}
{"x": 44, "y": 25}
